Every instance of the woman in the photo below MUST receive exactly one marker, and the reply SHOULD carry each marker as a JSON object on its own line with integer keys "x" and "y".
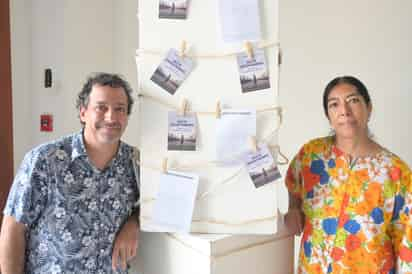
{"x": 351, "y": 196}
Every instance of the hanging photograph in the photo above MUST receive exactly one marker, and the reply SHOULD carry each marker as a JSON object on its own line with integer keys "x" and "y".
{"x": 169, "y": 9}
{"x": 182, "y": 132}
{"x": 261, "y": 167}
{"x": 253, "y": 71}
{"x": 173, "y": 70}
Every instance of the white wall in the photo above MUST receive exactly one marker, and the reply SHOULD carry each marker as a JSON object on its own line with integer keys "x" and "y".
{"x": 74, "y": 38}
{"x": 125, "y": 43}
{"x": 320, "y": 40}
{"x": 20, "y": 18}
{"x": 47, "y": 49}
{"x": 88, "y": 47}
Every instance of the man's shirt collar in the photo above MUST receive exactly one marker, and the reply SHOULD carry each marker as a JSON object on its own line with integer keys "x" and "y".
{"x": 79, "y": 149}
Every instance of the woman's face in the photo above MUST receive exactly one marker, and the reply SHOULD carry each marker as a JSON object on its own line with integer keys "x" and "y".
{"x": 348, "y": 112}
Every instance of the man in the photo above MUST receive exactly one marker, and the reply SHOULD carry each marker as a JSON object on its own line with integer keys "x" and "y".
{"x": 72, "y": 207}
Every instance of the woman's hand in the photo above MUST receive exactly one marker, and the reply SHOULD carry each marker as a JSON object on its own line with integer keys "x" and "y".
{"x": 294, "y": 221}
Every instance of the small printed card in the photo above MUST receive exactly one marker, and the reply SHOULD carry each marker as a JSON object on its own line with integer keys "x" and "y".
{"x": 233, "y": 130}
{"x": 172, "y": 71}
{"x": 175, "y": 201}
{"x": 253, "y": 71}
{"x": 172, "y": 9}
{"x": 261, "y": 166}
{"x": 182, "y": 132}
{"x": 239, "y": 20}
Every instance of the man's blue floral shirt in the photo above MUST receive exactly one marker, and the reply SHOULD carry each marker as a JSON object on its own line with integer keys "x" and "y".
{"x": 72, "y": 210}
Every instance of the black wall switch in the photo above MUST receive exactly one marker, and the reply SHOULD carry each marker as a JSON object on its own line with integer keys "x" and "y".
{"x": 48, "y": 78}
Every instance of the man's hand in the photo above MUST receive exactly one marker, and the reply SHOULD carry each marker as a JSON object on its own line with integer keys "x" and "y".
{"x": 294, "y": 221}
{"x": 126, "y": 243}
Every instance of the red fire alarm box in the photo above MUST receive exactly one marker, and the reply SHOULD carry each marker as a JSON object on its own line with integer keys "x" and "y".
{"x": 46, "y": 122}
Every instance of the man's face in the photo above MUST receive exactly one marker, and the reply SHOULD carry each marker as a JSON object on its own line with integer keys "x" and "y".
{"x": 105, "y": 117}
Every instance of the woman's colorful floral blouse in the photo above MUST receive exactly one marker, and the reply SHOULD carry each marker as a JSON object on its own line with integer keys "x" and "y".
{"x": 357, "y": 214}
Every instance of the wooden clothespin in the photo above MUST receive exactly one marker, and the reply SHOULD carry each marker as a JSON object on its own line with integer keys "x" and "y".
{"x": 164, "y": 165}
{"x": 249, "y": 50}
{"x": 183, "y": 108}
{"x": 183, "y": 47}
{"x": 253, "y": 143}
{"x": 218, "y": 110}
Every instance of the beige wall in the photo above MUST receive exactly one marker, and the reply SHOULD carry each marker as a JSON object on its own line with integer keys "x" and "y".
{"x": 73, "y": 38}
{"x": 368, "y": 39}
{"x": 124, "y": 47}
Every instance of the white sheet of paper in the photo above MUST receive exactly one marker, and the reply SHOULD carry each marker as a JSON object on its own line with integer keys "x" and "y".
{"x": 233, "y": 131}
{"x": 240, "y": 20}
{"x": 173, "y": 208}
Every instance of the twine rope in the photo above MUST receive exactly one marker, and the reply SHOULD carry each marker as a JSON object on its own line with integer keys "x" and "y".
{"x": 214, "y": 187}
{"x": 144, "y": 95}
{"x": 260, "y": 45}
